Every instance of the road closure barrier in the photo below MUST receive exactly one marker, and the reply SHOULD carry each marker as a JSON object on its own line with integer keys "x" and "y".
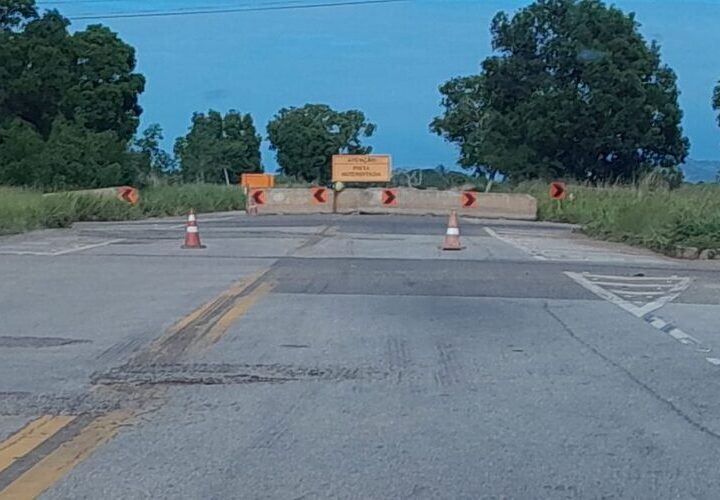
{"x": 127, "y": 194}
{"x": 392, "y": 201}
{"x": 316, "y": 200}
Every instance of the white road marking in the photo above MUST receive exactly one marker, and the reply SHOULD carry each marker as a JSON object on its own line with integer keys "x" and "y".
{"x": 545, "y": 244}
{"x": 61, "y": 252}
{"x": 87, "y": 247}
{"x": 514, "y": 244}
{"x": 658, "y": 323}
{"x": 633, "y": 278}
{"x": 630, "y": 285}
{"x": 674, "y": 286}
{"x": 636, "y": 294}
{"x": 678, "y": 285}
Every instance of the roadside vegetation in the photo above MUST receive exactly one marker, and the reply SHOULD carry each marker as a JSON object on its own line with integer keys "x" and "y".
{"x": 657, "y": 218}
{"x": 26, "y": 209}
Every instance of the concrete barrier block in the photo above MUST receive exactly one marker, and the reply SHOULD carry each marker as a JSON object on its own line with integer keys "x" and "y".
{"x": 395, "y": 200}
{"x": 434, "y": 202}
{"x": 292, "y": 201}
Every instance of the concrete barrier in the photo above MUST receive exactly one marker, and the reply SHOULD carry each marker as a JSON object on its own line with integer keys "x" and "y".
{"x": 434, "y": 202}
{"x": 393, "y": 200}
{"x": 291, "y": 200}
{"x": 127, "y": 194}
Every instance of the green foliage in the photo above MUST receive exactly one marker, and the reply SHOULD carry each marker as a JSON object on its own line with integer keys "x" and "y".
{"x": 716, "y": 107}
{"x": 217, "y": 145}
{"x": 72, "y": 157}
{"x": 574, "y": 91}
{"x": 15, "y": 13}
{"x": 178, "y": 200}
{"x": 306, "y": 138}
{"x": 654, "y": 218}
{"x": 436, "y": 178}
{"x": 68, "y": 102}
{"x": 151, "y": 163}
{"x": 25, "y": 209}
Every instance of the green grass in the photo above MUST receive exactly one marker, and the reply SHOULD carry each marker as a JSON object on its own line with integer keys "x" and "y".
{"x": 24, "y": 209}
{"x": 177, "y": 200}
{"x": 659, "y": 219}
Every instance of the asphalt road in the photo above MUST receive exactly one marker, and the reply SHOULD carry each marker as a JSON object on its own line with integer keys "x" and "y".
{"x": 348, "y": 357}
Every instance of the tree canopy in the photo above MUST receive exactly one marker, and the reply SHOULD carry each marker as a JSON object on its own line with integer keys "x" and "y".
{"x": 306, "y": 138}
{"x": 64, "y": 96}
{"x": 573, "y": 91}
{"x": 217, "y": 145}
{"x": 716, "y": 107}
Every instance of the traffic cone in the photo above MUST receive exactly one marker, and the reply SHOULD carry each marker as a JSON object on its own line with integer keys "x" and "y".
{"x": 251, "y": 207}
{"x": 452, "y": 235}
{"x": 192, "y": 234}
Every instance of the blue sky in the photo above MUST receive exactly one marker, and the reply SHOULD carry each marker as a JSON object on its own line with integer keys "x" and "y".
{"x": 386, "y": 60}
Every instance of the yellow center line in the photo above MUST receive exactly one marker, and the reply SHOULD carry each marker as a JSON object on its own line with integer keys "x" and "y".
{"x": 203, "y": 310}
{"x": 238, "y": 310}
{"x": 58, "y": 463}
{"x": 30, "y": 437}
{"x": 63, "y": 459}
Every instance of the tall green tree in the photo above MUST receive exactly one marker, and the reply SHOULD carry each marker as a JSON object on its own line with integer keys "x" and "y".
{"x": 716, "y": 107}
{"x": 84, "y": 84}
{"x": 219, "y": 148}
{"x": 306, "y": 138}
{"x": 151, "y": 162}
{"x": 15, "y": 13}
{"x": 573, "y": 91}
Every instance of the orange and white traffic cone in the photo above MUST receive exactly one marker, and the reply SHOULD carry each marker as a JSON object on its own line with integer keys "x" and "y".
{"x": 452, "y": 235}
{"x": 192, "y": 234}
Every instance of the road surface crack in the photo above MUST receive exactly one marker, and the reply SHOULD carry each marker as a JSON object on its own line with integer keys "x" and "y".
{"x": 645, "y": 387}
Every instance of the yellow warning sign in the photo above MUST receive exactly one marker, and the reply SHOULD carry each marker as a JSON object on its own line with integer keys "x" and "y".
{"x": 361, "y": 168}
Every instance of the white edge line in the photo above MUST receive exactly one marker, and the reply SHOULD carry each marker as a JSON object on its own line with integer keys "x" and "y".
{"x": 86, "y": 247}
{"x": 514, "y": 244}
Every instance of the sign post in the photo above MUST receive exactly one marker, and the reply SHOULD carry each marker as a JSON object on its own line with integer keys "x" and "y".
{"x": 360, "y": 168}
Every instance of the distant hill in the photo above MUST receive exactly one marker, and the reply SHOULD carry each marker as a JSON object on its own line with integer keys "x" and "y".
{"x": 701, "y": 170}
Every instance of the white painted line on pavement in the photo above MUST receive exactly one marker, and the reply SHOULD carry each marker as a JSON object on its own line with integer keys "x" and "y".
{"x": 585, "y": 280}
{"x": 644, "y": 311}
{"x": 602, "y": 293}
{"x": 636, "y": 278}
{"x": 633, "y": 285}
{"x": 637, "y": 294}
{"x": 86, "y": 247}
{"x": 514, "y": 244}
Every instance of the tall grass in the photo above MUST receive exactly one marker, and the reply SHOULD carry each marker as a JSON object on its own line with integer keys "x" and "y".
{"x": 655, "y": 218}
{"x": 24, "y": 209}
{"x": 20, "y": 210}
{"x": 177, "y": 200}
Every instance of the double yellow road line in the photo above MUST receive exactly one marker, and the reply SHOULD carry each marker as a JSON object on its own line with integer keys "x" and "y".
{"x": 50, "y": 468}
{"x": 31, "y": 463}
